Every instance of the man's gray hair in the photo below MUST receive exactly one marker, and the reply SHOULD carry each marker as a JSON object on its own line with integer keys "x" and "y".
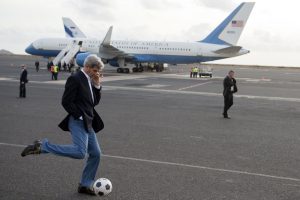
{"x": 93, "y": 61}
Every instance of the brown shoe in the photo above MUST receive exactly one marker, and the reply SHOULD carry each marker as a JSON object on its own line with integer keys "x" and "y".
{"x": 86, "y": 190}
{"x": 34, "y": 148}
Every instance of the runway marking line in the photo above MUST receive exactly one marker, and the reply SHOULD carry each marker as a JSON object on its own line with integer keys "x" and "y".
{"x": 184, "y": 165}
{"x": 192, "y": 86}
{"x": 197, "y": 137}
{"x": 210, "y": 94}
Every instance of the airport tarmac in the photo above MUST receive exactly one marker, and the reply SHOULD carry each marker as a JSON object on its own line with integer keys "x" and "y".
{"x": 164, "y": 135}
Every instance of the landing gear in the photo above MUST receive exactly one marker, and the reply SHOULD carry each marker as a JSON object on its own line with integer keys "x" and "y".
{"x": 126, "y": 70}
{"x": 120, "y": 70}
{"x": 159, "y": 68}
{"x": 138, "y": 68}
{"x": 123, "y": 70}
{"x": 122, "y": 64}
{"x": 135, "y": 69}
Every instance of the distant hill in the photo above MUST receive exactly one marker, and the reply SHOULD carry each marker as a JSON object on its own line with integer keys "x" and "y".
{"x": 5, "y": 52}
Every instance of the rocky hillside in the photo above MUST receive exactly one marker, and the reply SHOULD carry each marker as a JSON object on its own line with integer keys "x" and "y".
{"x": 5, "y": 52}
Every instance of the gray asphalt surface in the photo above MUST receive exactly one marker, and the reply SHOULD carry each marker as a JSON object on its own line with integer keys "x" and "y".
{"x": 164, "y": 136}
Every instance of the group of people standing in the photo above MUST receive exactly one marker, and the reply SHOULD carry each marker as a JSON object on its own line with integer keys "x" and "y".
{"x": 229, "y": 84}
{"x": 54, "y": 69}
{"x": 194, "y": 72}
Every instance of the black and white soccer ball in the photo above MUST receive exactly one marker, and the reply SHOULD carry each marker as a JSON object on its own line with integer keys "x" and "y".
{"x": 102, "y": 186}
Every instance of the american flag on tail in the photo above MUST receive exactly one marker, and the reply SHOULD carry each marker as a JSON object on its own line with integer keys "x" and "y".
{"x": 237, "y": 23}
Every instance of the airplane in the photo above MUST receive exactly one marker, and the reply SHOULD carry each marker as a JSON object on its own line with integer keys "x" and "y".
{"x": 221, "y": 43}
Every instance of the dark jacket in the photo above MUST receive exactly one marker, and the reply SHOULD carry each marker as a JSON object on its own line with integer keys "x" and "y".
{"x": 23, "y": 77}
{"x": 228, "y": 83}
{"x": 77, "y": 101}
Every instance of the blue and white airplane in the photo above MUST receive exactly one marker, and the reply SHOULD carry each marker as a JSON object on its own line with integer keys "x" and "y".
{"x": 221, "y": 43}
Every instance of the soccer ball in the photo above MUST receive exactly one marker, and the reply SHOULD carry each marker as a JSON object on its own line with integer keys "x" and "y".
{"x": 102, "y": 186}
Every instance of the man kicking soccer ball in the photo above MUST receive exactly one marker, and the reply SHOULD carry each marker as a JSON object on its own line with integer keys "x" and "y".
{"x": 82, "y": 93}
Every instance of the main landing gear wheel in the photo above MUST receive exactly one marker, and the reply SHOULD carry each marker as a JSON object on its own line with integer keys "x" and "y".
{"x": 123, "y": 70}
{"x": 137, "y": 69}
{"x": 120, "y": 70}
{"x": 126, "y": 70}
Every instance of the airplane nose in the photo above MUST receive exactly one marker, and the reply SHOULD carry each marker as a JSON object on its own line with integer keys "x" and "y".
{"x": 30, "y": 49}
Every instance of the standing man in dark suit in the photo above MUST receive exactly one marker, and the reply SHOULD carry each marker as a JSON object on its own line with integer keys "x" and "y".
{"x": 37, "y": 65}
{"x": 82, "y": 93}
{"x": 230, "y": 87}
{"x": 23, "y": 81}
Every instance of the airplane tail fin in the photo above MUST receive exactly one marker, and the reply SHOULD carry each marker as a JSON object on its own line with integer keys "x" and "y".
{"x": 230, "y": 30}
{"x": 71, "y": 29}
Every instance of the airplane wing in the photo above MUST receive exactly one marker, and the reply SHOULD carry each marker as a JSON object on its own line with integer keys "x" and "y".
{"x": 107, "y": 51}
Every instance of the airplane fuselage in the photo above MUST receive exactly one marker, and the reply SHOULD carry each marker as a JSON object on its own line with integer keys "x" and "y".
{"x": 141, "y": 51}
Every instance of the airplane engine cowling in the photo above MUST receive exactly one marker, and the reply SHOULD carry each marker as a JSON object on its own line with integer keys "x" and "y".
{"x": 80, "y": 58}
{"x": 113, "y": 63}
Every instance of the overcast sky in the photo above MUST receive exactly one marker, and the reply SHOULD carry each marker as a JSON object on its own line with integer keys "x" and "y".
{"x": 272, "y": 33}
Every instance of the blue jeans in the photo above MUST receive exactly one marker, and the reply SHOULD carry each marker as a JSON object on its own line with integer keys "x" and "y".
{"x": 83, "y": 142}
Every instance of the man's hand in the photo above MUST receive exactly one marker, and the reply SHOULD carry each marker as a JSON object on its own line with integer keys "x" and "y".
{"x": 97, "y": 79}
{"x": 234, "y": 81}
